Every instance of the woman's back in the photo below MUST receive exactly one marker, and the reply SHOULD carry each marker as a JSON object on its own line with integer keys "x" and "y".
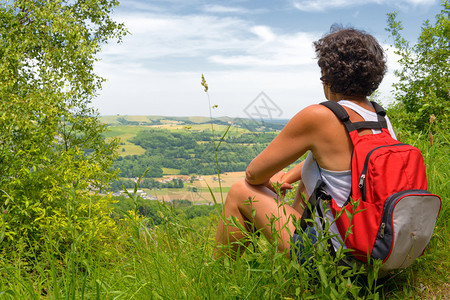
{"x": 352, "y": 66}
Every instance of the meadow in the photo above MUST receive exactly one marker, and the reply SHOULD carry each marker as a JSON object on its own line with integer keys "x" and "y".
{"x": 173, "y": 260}
{"x": 61, "y": 237}
{"x": 205, "y": 188}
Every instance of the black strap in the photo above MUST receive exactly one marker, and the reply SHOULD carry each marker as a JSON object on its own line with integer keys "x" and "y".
{"x": 322, "y": 220}
{"x": 378, "y": 109}
{"x": 343, "y": 116}
{"x": 314, "y": 204}
{"x": 340, "y": 113}
{"x": 367, "y": 125}
{"x": 381, "y": 113}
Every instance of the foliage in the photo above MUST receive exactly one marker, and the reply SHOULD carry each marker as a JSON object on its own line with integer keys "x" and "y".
{"x": 52, "y": 153}
{"x": 423, "y": 90}
{"x": 172, "y": 260}
{"x": 420, "y": 117}
{"x": 147, "y": 183}
{"x": 151, "y": 208}
{"x": 165, "y": 254}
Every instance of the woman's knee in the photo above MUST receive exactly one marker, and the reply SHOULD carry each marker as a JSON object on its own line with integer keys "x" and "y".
{"x": 239, "y": 192}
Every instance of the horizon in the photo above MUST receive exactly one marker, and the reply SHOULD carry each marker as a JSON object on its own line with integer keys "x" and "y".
{"x": 205, "y": 117}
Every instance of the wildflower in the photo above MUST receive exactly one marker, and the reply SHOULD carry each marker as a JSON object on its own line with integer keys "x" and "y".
{"x": 432, "y": 118}
{"x": 430, "y": 137}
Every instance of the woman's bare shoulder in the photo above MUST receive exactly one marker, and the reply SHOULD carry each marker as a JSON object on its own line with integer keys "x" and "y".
{"x": 313, "y": 115}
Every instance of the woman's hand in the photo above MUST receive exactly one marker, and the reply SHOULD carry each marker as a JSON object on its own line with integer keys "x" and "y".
{"x": 278, "y": 180}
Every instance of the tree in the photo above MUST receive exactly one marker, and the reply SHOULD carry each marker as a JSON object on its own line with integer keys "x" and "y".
{"x": 52, "y": 152}
{"x": 423, "y": 90}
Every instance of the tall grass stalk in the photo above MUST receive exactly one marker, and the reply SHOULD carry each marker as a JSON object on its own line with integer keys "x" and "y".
{"x": 216, "y": 147}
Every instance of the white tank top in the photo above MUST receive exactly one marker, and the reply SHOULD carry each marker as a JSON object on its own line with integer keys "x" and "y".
{"x": 338, "y": 183}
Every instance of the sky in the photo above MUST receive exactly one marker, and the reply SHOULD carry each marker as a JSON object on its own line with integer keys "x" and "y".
{"x": 257, "y": 56}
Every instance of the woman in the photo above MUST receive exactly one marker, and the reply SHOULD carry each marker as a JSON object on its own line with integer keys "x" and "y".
{"x": 352, "y": 65}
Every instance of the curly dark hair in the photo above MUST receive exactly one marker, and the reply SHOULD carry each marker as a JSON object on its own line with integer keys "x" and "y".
{"x": 352, "y": 61}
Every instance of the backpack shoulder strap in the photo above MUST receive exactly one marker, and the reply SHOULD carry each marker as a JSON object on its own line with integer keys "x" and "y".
{"x": 340, "y": 113}
{"x": 381, "y": 113}
{"x": 343, "y": 116}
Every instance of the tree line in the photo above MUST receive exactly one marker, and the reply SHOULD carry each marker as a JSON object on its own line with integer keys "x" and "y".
{"x": 146, "y": 183}
{"x": 151, "y": 208}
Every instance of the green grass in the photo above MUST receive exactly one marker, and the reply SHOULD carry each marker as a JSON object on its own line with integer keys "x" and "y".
{"x": 169, "y": 171}
{"x": 130, "y": 149}
{"x": 173, "y": 261}
{"x": 123, "y": 132}
{"x": 114, "y": 120}
{"x": 214, "y": 189}
{"x": 126, "y": 132}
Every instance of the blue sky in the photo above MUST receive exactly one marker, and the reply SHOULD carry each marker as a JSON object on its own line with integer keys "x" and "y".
{"x": 242, "y": 47}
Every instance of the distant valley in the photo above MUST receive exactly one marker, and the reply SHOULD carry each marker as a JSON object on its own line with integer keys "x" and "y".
{"x": 177, "y": 153}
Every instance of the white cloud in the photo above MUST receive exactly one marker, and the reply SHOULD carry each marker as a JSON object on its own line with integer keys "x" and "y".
{"x": 325, "y": 5}
{"x": 228, "y": 9}
{"x": 142, "y": 6}
{"x": 263, "y": 32}
{"x": 274, "y": 50}
{"x": 209, "y": 39}
{"x": 252, "y": 58}
{"x": 420, "y": 2}
{"x": 158, "y": 67}
{"x": 223, "y": 9}
{"x": 156, "y": 36}
{"x": 309, "y": 6}
{"x": 132, "y": 90}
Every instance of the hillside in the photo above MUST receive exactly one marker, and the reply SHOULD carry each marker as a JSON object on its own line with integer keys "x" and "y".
{"x": 175, "y": 122}
{"x": 179, "y": 148}
{"x": 180, "y": 145}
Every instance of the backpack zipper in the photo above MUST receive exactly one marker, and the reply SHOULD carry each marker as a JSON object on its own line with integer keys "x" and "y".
{"x": 362, "y": 178}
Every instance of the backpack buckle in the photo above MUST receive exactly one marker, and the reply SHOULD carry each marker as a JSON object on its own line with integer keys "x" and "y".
{"x": 323, "y": 195}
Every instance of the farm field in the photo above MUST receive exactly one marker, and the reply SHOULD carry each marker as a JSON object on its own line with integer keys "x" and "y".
{"x": 125, "y": 128}
{"x": 202, "y": 195}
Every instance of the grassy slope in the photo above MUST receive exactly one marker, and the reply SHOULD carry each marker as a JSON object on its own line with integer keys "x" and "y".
{"x": 428, "y": 277}
{"x": 185, "y": 268}
{"x": 173, "y": 261}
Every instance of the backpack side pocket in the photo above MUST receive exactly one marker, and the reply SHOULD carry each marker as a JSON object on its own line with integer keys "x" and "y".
{"x": 408, "y": 221}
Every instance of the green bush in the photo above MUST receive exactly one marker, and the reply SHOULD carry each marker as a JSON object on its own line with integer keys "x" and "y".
{"x": 53, "y": 156}
{"x": 424, "y": 79}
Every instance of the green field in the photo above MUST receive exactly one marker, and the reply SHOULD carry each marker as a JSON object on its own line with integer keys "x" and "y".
{"x": 169, "y": 171}
{"x": 125, "y": 133}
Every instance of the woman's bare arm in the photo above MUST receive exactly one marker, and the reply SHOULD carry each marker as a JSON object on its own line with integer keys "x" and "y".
{"x": 293, "y": 141}
{"x": 294, "y": 174}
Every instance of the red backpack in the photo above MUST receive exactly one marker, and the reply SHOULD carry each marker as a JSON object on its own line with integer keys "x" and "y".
{"x": 396, "y": 216}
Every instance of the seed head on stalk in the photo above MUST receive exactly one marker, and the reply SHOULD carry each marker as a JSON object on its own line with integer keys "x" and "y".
{"x": 204, "y": 84}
